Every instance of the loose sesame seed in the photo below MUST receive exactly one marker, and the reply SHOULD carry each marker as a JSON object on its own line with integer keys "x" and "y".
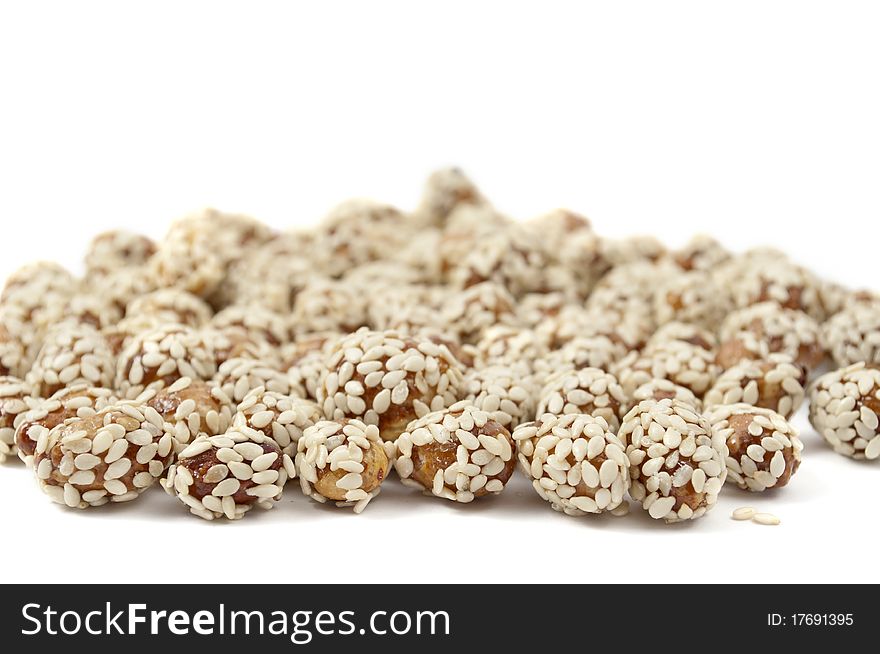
{"x": 743, "y": 513}
{"x": 765, "y": 519}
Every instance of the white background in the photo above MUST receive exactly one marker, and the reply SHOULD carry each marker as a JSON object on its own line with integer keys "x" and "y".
{"x": 754, "y": 121}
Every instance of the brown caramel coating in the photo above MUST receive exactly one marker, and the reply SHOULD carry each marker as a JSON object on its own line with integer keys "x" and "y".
{"x": 199, "y": 465}
{"x": 734, "y": 350}
{"x": 375, "y": 471}
{"x": 686, "y": 494}
{"x": 699, "y": 341}
{"x": 118, "y": 336}
{"x": 392, "y": 417}
{"x": 871, "y": 402}
{"x": 166, "y": 402}
{"x": 259, "y": 322}
{"x": 158, "y": 358}
{"x": 676, "y": 458}
{"x": 739, "y": 441}
{"x": 809, "y": 354}
{"x": 793, "y": 301}
{"x": 52, "y": 420}
{"x": 90, "y": 426}
{"x": 55, "y": 417}
{"x": 769, "y": 393}
{"x": 702, "y": 253}
{"x": 238, "y": 343}
{"x": 116, "y": 248}
{"x": 304, "y": 346}
{"x": 428, "y": 459}
{"x": 393, "y": 422}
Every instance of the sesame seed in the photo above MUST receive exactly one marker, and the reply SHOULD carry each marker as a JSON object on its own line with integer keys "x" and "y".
{"x": 743, "y": 513}
{"x": 765, "y": 519}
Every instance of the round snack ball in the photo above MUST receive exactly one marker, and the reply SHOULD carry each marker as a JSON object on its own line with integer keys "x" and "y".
{"x": 234, "y": 234}
{"x": 690, "y": 297}
{"x": 260, "y": 322}
{"x": 533, "y": 309}
{"x": 853, "y": 335}
{"x": 344, "y": 462}
{"x": 171, "y": 305}
{"x": 117, "y": 248}
{"x": 190, "y": 407}
{"x": 72, "y": 354}
{"x": 589, "y": 390}
{"x": 388, "y": 379}
{"x": 677, "y": 464}
{"x": 119, "y": 287}
{"x": 13, "y": 403}
{"x": 458, "y": 454}
{"x": 446, "y": 190}
{"x": 775, "y": 383}
{"x": 611, "y": 305}
{"x": 629, "y": 331}
{"x": 581, "y": 352}
{"x": 159, "y": 357}
{"x": 741, "y": 346}
{"x": 43, "y": 415}
{"x": 764, "y": 450}
{"x": 186, "y": 258}
{"x": 227, "y": 475}
{"x": 93, "y": 310}
{"x": 325, "y": 305}
{"x": 681, "y": 363}
{"x": 121, "y": 334}
{"x": 685, "y": 333}
{"x": 304, "y": 362}
{"x": 271, "y": 274}
{"x": 513, "y": 258}
{"x": 238, "y": 377}
{"x": 283, "y": 418}
{"x": 574, "y": 461}
{"x": 237, "y": 343}
{"x": 788, "y": 331}
{"x": 629, "y": 288}
{"x": 465, "y": 230}
{"x": 570, "y": 242}
{"x": 663, "y": 389}
{"x": 46, "y": 276}
{"x": 504, "y": 392}
{"x": 34, "y": 299}
{"x": 510, "y": 346}
{"x": 768, "y": 276}
{"x": 844, "y": 408}
{"x": 13, "y": 361}
{"x": 702, "y": 252}
{"x": 412, "y": 256}
{"x": 471, "y": 312}
{"x": 357, "y": 232}
{"x": 403, "y": 306}
{"x": 112, "y": 456}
